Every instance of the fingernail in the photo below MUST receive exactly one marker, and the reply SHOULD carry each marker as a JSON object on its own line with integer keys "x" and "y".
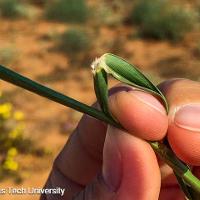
{"x": 112, "y": 164}
{"x": 188, "y": 117}
{"x": 149, "y": 100}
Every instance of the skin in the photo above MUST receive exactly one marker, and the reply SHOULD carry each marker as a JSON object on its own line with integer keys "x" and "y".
{"x": 104, "y": 163}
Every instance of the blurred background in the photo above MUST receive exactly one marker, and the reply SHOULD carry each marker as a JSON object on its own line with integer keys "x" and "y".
{"x": 54, "y": 42}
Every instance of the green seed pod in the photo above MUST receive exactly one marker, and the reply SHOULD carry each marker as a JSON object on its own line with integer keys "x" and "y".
{"x": 101, "y": 89}
{"x": 127, "y": 73}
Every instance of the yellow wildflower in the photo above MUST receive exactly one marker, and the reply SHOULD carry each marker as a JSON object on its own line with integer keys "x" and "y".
{"x": 5, "y": 110}
{"x": 18, "y": 115}
{"x": 14, "y": 133}
{"x": 10, "y": 164}
{"x": 12, "y": 152}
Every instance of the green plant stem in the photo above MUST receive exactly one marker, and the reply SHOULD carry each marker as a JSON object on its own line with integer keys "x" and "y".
{"x": 177, "y": 165}
{"x": 165, "y": 153}
{"x": 23, "y": 82}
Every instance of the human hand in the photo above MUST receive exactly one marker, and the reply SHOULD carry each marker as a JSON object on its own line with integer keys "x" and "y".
{"x": 107, "y": 163}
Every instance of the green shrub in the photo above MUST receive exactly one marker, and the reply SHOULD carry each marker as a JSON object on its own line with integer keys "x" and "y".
{"x": 109, "y": 13}
{"x": 12, "y": 9}
{"x": 38, "y": 2}
{"x": 67, "y": 11}
{"x": 74, "y": 41}
{"x": 8, "y": 55}
{"x": 161, "y": 20}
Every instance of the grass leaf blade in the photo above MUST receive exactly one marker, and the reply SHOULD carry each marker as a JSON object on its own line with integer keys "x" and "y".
{"x": 129, "y": 74}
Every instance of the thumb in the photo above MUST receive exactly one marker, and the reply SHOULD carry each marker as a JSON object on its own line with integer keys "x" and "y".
{"x": 130, "y": 170}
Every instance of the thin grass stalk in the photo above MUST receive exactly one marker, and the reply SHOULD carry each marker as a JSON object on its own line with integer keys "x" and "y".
{"x": 32, "y": 86}
{"x": 176, "y": 164}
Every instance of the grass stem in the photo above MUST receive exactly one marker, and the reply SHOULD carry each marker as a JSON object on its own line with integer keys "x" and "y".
{"x": 177, "y": 165}
{"x": 28, "y": 84}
